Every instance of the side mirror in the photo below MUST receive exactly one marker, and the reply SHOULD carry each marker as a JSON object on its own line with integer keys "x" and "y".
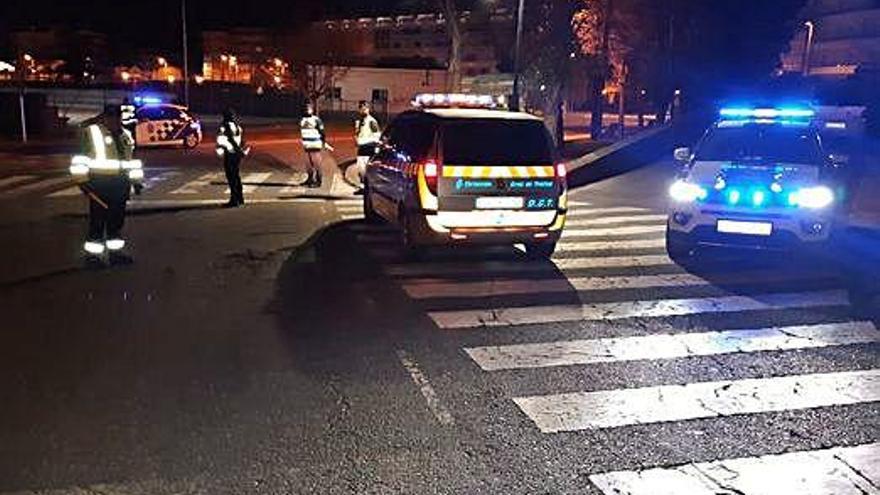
{"x": 682, "y": 154}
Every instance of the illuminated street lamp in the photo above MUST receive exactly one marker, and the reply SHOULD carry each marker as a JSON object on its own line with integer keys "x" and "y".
{"x": 125, "y": 75}
{"x": 171, "y": 79}
{"x": 27, "y": 57}
{"x": 162, "y": 62}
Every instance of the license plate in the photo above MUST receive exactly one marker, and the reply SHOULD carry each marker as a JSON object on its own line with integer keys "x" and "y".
{"x": 499, "y": 203}
{"x": 747, "y": 228}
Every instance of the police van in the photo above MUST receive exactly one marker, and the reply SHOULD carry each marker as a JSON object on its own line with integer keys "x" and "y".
{"x": 458, "y": 169}
{"x": 164, "y": 124}
{"x": 759, "y": 178}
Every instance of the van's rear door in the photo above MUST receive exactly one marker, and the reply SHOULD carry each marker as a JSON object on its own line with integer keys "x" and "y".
{"x": 496, "y": 164}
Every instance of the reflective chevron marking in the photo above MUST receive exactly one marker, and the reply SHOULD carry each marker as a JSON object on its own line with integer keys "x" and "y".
{"x": 446, "y": 269}
{"x": 839, "y": 471}
{"x": 432, "y": 288}
{"x": 623, "y": 407}
{"x": 500, "y": 317}
{"x": 671, "y": 346}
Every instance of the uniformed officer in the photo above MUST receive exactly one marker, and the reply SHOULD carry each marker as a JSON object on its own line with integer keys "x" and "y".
{"x": 367, "y": 136}
{"x": 230, "y": 146}
{"x": 127, "y": 113}
{"x": 105, "y": 171}
{"x": 314, "y": 140}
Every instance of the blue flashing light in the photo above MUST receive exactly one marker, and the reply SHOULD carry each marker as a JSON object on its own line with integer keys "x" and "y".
{"x": 767, "y": 113}
{"x": 758, "y": 197}
{"x": 776, "y": 187}
{"x": 734, "y": 196}
{"x": 147, "y": 100}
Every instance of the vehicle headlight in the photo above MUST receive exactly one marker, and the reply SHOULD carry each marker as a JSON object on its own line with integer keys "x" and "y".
{"x": 812, "y": 197}
{"x": 686, "y": 192}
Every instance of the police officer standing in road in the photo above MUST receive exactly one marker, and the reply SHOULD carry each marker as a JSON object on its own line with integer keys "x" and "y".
{"x": 367, "y": 135}
{"x": 230, "y": 146}
{"x": 105, "y": 171}
{"x": 314, "y": 141}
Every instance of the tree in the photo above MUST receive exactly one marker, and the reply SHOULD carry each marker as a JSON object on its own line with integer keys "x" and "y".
{"x": 319, "y": 81}
{"x": 453, "y": 31}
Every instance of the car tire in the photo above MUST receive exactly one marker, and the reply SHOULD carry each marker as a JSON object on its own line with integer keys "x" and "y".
{"x": 540, "y": 251}
{"x": 190, "y": 141}
{"x": 370, "y": 214}
{"x": 679, "y": 247}
{"x": 411, "y": 247}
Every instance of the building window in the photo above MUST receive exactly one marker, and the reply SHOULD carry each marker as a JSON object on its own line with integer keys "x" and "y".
{"x": 336, "y": 93}
{"x": 382, "y": 38}
{"x": 380, "y": 95}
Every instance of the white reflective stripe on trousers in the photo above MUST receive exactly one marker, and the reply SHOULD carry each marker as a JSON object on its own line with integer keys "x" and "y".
{"x": 93, "y": 247}
{"x": 115, "y": 244}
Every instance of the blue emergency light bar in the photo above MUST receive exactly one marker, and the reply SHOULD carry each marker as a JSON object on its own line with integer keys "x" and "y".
{"x": 147, "y": 100}
{"x": 767, "y": 113}
{"x": 457, "y": 100}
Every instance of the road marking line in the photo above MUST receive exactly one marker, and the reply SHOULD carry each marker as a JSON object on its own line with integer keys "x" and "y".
{"x": 192, "y": 186}
{"x": 622, "y": 220}
{"x": 501, "y": 317}
{"x": 352, "y": 217}
{"x": 15, "y": 179}
{"x": 431, "y": 288}
{"x": 41, "y": 184}
{"x": 574, "y": 202}
{"x": 614, "y": 231}
{"x": 589, "y": 246}
{"x": 666, "y": 403}
{"x": 437, "y": 409}
{"x": 616, "y": 210}
{"x": 839, "y": 470}
{"x": 565, "y": 264}
{"x": 671, "y": 346}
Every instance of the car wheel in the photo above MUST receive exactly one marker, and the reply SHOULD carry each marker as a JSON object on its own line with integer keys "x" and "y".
{"x": 679, "y": 247}
{"x": 190, "y": 141}
{"x": 370, "y": 213}
{"x": 411, "y": 247}
{"x": 540, "y": 251}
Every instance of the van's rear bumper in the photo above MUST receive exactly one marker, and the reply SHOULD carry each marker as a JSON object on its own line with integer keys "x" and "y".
{"x": 432, "y": 228}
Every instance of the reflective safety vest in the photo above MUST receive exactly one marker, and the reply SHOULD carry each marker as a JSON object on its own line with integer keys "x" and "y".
{"x": 106, "y": 155}
{"x": 366, "y": 130}
{"x": 127, "y": 114}
{"x": 311, "y": 129}
{"x": 229, "y": 139}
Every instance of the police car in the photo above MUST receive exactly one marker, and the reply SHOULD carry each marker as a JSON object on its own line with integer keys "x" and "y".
{"x": 460, "y": 170}
{"x": 165, "y": 124}
{"x": 759, "y": 178}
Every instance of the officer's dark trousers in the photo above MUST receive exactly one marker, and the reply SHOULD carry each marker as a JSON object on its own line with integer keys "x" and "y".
{"x": 231, "y": 165}
{"x": 106, "y": 223}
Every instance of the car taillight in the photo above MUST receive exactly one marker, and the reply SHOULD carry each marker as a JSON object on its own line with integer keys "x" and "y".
{"x": 561, "y": 171}
{"x": 432, "y": 172}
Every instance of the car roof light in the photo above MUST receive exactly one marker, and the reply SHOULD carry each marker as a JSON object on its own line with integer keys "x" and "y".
{"x": 457, "y": 100}
{"x": 147, "y": 100}
{"x": 767, "y": 113}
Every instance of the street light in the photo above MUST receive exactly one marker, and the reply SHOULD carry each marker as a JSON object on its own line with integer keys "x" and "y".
{"x": 809, "y": 47}
{"x": 161, "y": 61}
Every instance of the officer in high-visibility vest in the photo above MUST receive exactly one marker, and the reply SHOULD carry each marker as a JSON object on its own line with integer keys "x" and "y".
{"x": 367, "y": 135}
{"x": 106, "y": 171}
{"x": 230, "y": 147}
{"x": 314, "y": 141}
{"x": 127, "y": 113}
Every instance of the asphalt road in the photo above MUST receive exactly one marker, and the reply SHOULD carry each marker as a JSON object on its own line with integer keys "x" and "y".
{"x": 287, "y": 347}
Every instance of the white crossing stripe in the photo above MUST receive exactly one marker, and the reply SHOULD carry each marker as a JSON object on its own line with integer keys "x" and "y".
{"x": 671, "y": 346}
{"x": 42, "y": 184}
{"x": 622, "y": 220}
{"x": 352, "y": 217}
{"x": 574, "y": 202}
{"x": 500, "y": 317}
{"x": 838, "y": 471}
{"x": 15, "y": 179}
{"x": 614, "y": 231}
{"x": 624, "y": 407}
{"x": 432, "y": 288}
{"x": 193, "y": 186}
{"x": 439, "y": 269}
{"x": 590, "y": 246}
{"x": 252, "y": 181}
{"x": 616, "y": 210}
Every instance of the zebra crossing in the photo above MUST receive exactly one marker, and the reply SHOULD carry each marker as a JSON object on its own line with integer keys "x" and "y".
{"x": 611, "y": 269}
{"x": 170, "y": 184}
